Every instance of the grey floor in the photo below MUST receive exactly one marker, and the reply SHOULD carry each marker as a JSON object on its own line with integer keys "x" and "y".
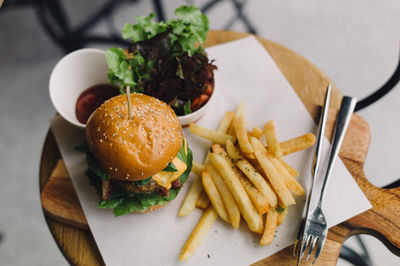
{"x": 356, "y": 43}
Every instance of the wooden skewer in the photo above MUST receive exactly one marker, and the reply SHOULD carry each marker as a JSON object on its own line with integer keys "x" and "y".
{"x": 128, "y": 95}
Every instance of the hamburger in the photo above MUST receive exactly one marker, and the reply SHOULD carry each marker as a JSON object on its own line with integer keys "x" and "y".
{"x": 138, "y": 163}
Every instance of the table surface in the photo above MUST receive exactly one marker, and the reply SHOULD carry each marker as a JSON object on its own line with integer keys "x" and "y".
{"x": 78, "y": 245}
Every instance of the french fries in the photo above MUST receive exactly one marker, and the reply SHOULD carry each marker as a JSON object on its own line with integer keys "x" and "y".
{"x": 248, "y": 179}
{"x": 273, "y": 175}
{"x": 240, "y": 110}
{"x": 233, "y": 210}
{"x": 258, "y": 199}
{"x": 214, "y": 196}
{"x": 282, "y": 211}
{"x": 239, "y": 124}
{"x": 232, "y": 151}
{"x": 189, "y": 203}
{"x": 297, "y": 144}
{"x": 197, "y": 168}
{"x": 258, "y": 181}
{"x": 198, "y": 233}
{"x": 256, "y": 132}
{"x": 293, "y": 172}
{"x": 253, "y": 219}
{"x": 214, "y": 136}
{"x": 289, "y": 181}
{"x": 270, "y": 227}
{"x": 203, "y": 201}
{"x": 226, "y": 122}
{"x": 270, "y": 137}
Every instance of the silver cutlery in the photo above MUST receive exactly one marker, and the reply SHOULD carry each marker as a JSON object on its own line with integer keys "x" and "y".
{"x": 314, "y": 228}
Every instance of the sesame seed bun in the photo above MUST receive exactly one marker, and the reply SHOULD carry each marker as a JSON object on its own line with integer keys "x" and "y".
{"x": 137, "y": 148}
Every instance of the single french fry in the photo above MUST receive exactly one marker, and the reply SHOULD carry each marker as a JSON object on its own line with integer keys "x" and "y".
{"x": 289, "y": 181}
{"x": 203, "y": 201}
{"x": 240, "y": 110}
{"x": 239, "y": 124}
{"x": 297, "y": 144}
{"x": 231, "y": 207}
{"x": 214, "y": 196}
{"x": 258, "y": 199}
{"x": 233, "y": 152}
{"x": 282, "y": 212}
{"x": 250, "y": 156}
{"x": 256, "y": 132}
{"x": 293, "y": 172}
{"x": 270, "y": 227}
{"x": 211, "y": 135}
{"x": 189, "y": 203}
{"x": 197, "y": 168}
{"x": 271, "y": 172}
{"x": 246, "y": 208}
{"x": 270, "y": 137}
{"x": 259, "y": 181}
{"x": 198, "y": 233}
{"x": 226, "y": 122}
{"x": 223, "y": 127}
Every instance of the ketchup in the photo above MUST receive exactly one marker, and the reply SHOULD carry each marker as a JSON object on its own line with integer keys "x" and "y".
{"x": 92, "y": 98}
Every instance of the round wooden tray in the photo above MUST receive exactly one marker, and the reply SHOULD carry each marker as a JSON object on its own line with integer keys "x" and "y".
{"x": 382, "y": 221}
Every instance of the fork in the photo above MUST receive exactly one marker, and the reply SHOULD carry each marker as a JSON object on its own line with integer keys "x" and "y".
{"x": 314, "y": 231}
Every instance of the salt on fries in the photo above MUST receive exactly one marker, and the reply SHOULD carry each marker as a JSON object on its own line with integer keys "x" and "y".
{"x": 246, "y": 178}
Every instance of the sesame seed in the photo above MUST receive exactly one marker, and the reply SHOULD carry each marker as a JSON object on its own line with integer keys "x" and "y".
{"x": 110, "y": 168}
{"x": 116, "y": 169}
{"x": 101, "y": 140}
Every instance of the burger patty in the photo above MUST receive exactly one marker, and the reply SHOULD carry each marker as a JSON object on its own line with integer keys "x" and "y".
{"x": 150, "y": 187}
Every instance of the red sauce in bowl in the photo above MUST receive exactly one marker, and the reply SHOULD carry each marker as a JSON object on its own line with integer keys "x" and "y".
{"x": 92, "y": 98}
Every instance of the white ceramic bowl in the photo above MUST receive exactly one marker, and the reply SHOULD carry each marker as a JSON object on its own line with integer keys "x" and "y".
{"x": 82, "y": 69}
{"x": 73, "y": 74}
{"x": 185, "y": 120}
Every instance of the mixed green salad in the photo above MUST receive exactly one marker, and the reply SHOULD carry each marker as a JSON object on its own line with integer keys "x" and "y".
{"x": 166, "y": 60}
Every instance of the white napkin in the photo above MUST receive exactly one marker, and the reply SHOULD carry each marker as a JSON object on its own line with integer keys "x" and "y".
{"x": 247, "y": 73}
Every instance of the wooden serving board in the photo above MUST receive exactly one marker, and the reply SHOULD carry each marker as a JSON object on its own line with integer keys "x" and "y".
{"x": 68, "y": 224}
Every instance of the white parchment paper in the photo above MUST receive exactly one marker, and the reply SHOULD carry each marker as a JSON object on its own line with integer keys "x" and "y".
{"x": 247, "y": 73}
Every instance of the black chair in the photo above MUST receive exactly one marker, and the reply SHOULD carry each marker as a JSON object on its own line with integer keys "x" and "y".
{"x": 55, "y": 21}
